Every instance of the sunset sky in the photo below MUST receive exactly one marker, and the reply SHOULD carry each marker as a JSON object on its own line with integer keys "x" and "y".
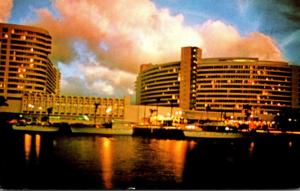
{"x": 99, "y": 44}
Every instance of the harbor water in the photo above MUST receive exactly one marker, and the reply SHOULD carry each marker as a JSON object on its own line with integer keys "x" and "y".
{"x": 43, "y": 161}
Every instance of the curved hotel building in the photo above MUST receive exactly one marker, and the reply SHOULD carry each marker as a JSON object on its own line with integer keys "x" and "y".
{"x": 24, "y": 63}
{"x": 220, "y": 84}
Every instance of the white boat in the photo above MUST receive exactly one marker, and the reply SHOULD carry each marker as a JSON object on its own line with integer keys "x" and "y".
{"x": 34, "y": 128}
{"x": 193, "y": 133}
{"x": 102, "y": 130}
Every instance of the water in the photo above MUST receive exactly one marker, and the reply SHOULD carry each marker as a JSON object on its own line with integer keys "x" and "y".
{"x": 34, "y": 161}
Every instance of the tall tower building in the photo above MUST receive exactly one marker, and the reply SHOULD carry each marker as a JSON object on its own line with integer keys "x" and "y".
{"x": 24, "y": 64}
{"x": 190, "y": 57}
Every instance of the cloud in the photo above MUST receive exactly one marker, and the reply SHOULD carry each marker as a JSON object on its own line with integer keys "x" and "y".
{"x": 86, "y": 75}
{"x": 221, "y": 40}
{"x": 119, "y": 35}
{"x": 5, "y": 7}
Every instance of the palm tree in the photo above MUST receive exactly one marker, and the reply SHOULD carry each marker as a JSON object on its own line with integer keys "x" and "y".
{"x": 96, "y": 108}
{"x": 49, "y": 111}
{"x": 3, "y": 101}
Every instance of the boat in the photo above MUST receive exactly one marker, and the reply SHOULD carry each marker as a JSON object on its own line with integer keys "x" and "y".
{"x": 118, "y": 128}
{"x": 218, "y": 129}
{"x": 198, "y": 133}
{"x": 102, "y": 130}
{"x": 35, "y": 128}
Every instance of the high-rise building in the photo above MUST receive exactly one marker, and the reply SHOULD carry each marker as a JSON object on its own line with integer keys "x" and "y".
{"x": 220, "y": 84}
{"x": 24, "y": 64}
{"x": 227, "y": 84}
{"x": 190, "y": 57}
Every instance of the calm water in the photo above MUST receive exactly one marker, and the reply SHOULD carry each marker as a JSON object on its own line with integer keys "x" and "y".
{"x": 120, "y": 162}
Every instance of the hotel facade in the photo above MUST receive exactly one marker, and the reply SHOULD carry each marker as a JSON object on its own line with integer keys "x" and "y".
{"x": 24, "y": 64}
{"x": 220, "y": 85}
{"x": 74, "y": 108}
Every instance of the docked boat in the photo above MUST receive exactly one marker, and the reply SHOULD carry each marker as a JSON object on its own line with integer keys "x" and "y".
{"x": 117, "y": 128}
{"x": 213, "y": 130}
{"x": 35, "y": 128}
{"x": 198, "y": 133}
{"x": 102, "y": 130}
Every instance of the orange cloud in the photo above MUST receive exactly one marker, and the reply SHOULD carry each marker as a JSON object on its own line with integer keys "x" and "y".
{"x": 5, "y": 7}
{"x": 221, "y": 40}
{"x": 122, "y": 34}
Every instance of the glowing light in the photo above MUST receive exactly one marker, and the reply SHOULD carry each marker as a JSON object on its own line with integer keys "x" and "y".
{"x": 108, "y": 110}
{"x": 190, "y": 126}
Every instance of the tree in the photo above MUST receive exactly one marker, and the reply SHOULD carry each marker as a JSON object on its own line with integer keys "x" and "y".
{"x": 247, "y": 108}
{"x": 288, "y": 119}
{"x": 96, "y": 108}
{"x": 3, "y": 101}
{"x": 49, "y": 111}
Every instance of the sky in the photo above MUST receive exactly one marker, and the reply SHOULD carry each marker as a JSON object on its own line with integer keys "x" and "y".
{"x": 98, "y": 45}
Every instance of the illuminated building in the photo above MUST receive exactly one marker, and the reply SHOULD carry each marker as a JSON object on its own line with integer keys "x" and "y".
{"x": 163, "y": 84}
{"x": 223, "y": 85}
{"x": 68, "y": 108}
{"x": 24, "y": 65}
{"x": 226, "y": 84}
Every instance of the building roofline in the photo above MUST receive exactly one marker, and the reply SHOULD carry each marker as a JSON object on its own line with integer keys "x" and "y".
{"x": 29, "y": 27}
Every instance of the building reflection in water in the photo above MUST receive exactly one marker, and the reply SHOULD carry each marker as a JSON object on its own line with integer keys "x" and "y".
{"x": 174, "y": 153}
{"x": 32, "y": 146}
{"x": 106, "y": 162}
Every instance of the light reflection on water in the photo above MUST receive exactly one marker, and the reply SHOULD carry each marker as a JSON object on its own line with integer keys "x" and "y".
{"x": 105, "y": 151}
{"x": 27, "y": 146}
{"x": 32, "y": 143}
{"x": 120, "y": 162}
